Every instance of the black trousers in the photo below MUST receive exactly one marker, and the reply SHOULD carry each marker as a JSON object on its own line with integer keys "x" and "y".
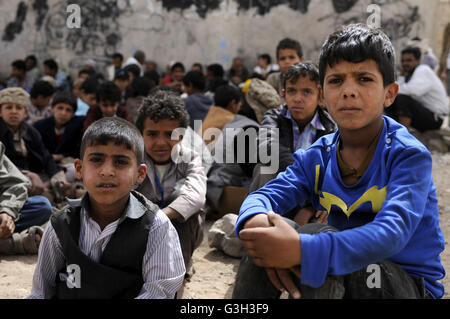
{"x": 422, "y": 119}
{"x": 394, "y": 283}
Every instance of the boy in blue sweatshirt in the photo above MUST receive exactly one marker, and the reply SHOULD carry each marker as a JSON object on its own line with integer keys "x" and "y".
{"x": 372, "y": 177}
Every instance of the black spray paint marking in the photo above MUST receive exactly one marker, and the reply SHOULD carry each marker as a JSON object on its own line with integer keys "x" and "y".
{"x": 41, "y": 9}
{"x": 14, "y": 28}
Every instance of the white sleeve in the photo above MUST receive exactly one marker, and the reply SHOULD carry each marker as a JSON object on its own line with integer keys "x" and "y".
{"x": 163, "y": 265}
{"x": 50, "y": 261}
{"x": 419, "y": 84}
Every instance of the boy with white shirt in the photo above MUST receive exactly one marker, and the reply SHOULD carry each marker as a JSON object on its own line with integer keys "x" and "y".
{"x": 112, "y": 243}
{"x": 175, "y": 178}
{"x": 422, "y": 102}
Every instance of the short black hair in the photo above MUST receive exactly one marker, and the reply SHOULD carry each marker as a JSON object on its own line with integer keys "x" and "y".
{"x": 19, "y": 64}
{"x": 41, "y": 88}
{"x": 89, "y": 86}
{"x": 140, "y": 86}
{"x": 356, "y": 43}
{"x": 177, "y": 65}
{"x": 216, "y": 69}
{"x": 288, "y": 43}
{"x": 32, "y": 58}
{"x": 153, "y": 76}
{"x": 86, "y": 71}
{"x": 133, "y": 68}
{"x": 51, "y": 64}
{"x": 266, "y": 57}
{"x": 301, "y": 69}
{"x": 414, "y": 51}
{"x": 117, "y": 55}
{"x": 162, "y": 105}
{"x": 196, "y": 78}
{"x": 115, "y": 129}
{"x": 198, "y": 64}
{"x": 224, "y": 94}
{"x": 108, "y": 91}
{"x": 122, "y": 74}
{"x": 66, "y": 98}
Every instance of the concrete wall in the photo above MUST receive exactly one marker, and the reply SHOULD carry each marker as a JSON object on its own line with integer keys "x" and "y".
{"x": 205, "y": 31}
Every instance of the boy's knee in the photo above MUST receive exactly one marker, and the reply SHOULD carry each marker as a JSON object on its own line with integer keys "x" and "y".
{"x": 40, "y": 204}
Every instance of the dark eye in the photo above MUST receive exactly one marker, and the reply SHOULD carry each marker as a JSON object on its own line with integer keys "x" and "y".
{"x": 365, "y": 79}
{"x": 95, "y": 159}
{"x": 334, "y": 81}
{"x": 121, "y": 162}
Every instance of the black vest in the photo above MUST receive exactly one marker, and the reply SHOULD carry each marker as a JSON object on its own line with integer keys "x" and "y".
{"x": 119, "y": 272}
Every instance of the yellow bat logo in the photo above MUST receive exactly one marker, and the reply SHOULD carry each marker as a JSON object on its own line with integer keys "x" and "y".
{"x": 374, "y": 195}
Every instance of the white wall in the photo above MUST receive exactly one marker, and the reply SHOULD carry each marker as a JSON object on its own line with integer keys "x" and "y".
{"x": 206, "y": 33}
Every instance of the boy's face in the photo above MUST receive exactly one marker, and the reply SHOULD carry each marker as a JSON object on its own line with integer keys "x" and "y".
{"x": 62, "y": 113}
{"x": 41, "y": 101}
{"x": 89, "y": 98}
{"x": 409, "y": 62}
{"x": 109, "y": 172}
{"x": 157, "y": 139}
{"x": 17, "y": 72}
{"x": 108, "y": 108}
{"x": 117, "y": 62}
{"x": 262, "y": 63}
{"x": 302, "y": 99}
{"x": 121, "y": 84}
{"x": 354, "y": 94}
{"x": 286, "y": 58}
{"x": 13, "y": 114}
{"x": 178, "y": 74}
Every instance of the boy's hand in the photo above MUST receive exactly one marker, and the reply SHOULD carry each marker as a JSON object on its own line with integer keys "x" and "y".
{"x": 322, "y": 216}
{"x": 282, "y": 279}
{"x": 7, "y": 225}
{"x": 37, "y": 186}
{"x": 58, "y": 157}
{"x": 259, "y": 220}
{"x": 277, "y": 246}
{"x": 304, "y": 215}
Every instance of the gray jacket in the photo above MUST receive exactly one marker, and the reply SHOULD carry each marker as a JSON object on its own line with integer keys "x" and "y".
{"x": 13, "y": 186}
{"x": 226, "y": 170}
{"x": 183, "y": 185}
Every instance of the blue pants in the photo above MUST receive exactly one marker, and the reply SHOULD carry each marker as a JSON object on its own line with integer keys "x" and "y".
{"x": 36, "y": 211}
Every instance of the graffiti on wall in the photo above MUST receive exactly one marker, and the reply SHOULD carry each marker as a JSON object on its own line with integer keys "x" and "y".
{"x": 106, "y": 23}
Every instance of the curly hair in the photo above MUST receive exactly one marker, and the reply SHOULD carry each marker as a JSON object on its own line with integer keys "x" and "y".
{"x": 162, "y": 105}
{"x": 301, "y": 69}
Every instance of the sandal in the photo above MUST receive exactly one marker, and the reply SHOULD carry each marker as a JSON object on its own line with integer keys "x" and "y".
{"x": 22, "y": 243}
{"x": 28, "y": 237}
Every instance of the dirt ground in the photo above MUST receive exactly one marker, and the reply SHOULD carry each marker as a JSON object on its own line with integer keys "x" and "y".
{"x": 215, "y": 271}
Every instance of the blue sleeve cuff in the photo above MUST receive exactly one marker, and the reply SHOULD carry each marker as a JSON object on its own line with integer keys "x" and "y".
{"x": 314, "y": 265}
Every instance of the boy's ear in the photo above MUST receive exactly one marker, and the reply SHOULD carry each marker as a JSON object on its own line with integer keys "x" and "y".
{"x": 283, "y": 93}
{"x": 390, "y": 94}
{"x": 142, "y": 172}
{"x": 78, "y": 166}
{"x": 321, "y": 101}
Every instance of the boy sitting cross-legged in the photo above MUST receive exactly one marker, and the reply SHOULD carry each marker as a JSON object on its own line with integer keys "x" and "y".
{"x": 121, "y": 243}
{"x": 176, "y": 178}
{"x": 372, "y": 177}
